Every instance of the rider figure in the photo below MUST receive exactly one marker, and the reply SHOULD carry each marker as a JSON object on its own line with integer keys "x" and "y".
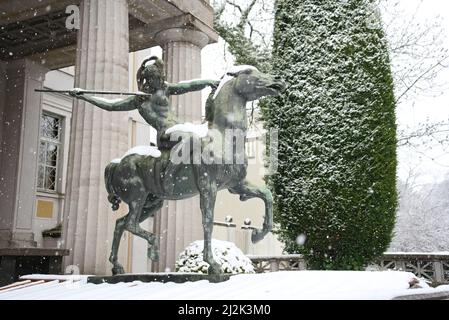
{"x": 155, "y": 109}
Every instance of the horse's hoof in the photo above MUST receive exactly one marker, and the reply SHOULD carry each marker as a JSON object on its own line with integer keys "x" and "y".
{"x": 214, "y": 268}
{"x": 258, "y": 235}
{"x": 153, "y": 254}
{"x": 118, "y": 269}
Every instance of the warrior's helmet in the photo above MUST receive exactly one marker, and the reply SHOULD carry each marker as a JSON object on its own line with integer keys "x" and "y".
{"x": 151, "y": 75}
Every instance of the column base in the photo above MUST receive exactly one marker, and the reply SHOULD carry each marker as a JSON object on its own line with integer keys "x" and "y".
{"x": 9, "y": 239}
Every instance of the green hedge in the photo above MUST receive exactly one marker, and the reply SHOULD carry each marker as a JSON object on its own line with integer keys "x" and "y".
{"x": 336, "y": 182}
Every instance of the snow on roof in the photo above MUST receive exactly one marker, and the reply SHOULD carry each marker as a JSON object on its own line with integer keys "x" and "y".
{"x": 292, "y": 285}
{"x": 141, "y": 150}
{"x": 229, "y": 76}
{"x": 48, "y": 277}
{"x": 436, "y": 253}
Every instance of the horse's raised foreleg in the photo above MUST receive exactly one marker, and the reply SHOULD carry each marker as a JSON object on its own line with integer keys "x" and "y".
{"x": 208, "y": 194}
{"x": 248, "y": 191}
{"x": 118, "y": 232}
{"x": 133, "y": 226}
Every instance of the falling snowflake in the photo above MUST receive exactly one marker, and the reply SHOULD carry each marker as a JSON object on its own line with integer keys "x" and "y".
{"x": 301, "y": 239}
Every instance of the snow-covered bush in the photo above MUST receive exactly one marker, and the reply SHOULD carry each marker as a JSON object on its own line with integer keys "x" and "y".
{"x": 231, "y": 258}
{"x": 336, "y": 180}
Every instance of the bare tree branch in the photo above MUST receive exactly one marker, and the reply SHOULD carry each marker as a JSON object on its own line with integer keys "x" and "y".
{"x": 240, "y": 35}
{"x": 245, "y": 15}
{"x": 421, "y": 76}
{"x": 418, "y": 50}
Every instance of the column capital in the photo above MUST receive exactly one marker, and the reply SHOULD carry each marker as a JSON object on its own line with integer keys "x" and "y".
{"x": 194, "y": 37}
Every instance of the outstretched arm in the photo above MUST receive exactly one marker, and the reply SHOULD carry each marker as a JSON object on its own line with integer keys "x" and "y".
{"x": 123, "y": 104}
{"x": 189, "y": 86}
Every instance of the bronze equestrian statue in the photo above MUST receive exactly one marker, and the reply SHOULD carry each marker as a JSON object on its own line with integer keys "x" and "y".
{"x": 145, "y": 181}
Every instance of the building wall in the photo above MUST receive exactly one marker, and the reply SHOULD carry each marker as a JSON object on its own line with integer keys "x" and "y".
{"x": 2, "y": 99}
{"x": 60, "y": 106}
{"x": 19, "y": 133}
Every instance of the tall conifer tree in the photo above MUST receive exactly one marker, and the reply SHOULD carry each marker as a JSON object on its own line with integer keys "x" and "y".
{"x": 335, "y": 191}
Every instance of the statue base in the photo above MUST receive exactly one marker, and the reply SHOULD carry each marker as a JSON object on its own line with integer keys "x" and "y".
{"x": 159, "y": 277}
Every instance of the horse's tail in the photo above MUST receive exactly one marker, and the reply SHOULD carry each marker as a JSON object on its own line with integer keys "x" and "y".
{"x": 113, "y": 198}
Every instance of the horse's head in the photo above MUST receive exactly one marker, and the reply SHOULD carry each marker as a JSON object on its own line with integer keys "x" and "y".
{"x": 226, "y": 106}
{"x": 253, "y": 84}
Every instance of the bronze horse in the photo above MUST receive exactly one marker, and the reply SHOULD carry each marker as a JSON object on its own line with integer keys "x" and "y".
{"x": 145, "y": 181}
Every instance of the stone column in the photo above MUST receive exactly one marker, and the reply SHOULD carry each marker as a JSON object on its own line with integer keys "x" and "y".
{"x": 97, "y": 136}
{"x": 3, "y": 79}
{"x": 179, "y": 222}
{"x": 20, "y": 110}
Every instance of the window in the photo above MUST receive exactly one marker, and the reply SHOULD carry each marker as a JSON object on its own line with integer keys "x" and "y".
{"x": 49, "y": 149}
{"x": 251, "y": 147}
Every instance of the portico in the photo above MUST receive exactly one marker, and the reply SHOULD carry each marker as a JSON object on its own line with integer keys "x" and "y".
{"x": 33, "y": 40}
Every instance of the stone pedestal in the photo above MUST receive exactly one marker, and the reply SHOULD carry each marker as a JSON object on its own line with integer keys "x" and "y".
{"x": 97, "y": 136}
{"x": 20, "y": 110}
{"x": 23, "y": 261}
{"x": 179, "y": 222}
{"x": 160, "y": 277}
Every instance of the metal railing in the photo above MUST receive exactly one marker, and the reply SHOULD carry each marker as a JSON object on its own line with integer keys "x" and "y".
{"x": 264, "y": 264}
{"x": 432, "y": 267}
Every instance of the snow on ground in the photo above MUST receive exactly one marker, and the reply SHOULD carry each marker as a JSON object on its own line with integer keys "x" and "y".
{"x": 293, "y": 285}
{"x": 48, "y": 277}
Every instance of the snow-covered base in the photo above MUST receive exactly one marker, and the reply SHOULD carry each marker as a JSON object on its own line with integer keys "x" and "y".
{"x": 141, "y": 150}
{"x": 292, "y": 285}
{"x": 231, "y": 258}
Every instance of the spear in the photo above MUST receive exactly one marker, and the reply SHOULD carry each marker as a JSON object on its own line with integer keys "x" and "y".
{"x": 97, "y": 92}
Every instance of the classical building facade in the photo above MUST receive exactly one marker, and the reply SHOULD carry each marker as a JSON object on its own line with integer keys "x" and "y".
{"x": 53, "y": 151}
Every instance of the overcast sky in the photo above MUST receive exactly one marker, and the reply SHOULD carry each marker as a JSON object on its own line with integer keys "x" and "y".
{"x": 431, "y": 162}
